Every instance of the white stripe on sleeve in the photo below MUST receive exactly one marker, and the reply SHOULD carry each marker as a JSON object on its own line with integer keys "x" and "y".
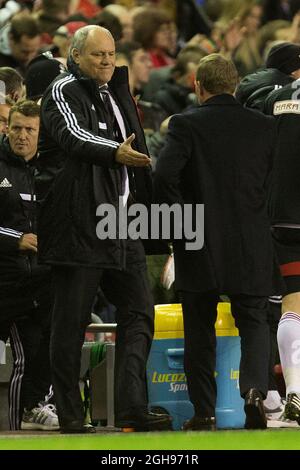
{"x": 10, "y": 232}
{"x": 70, "y": 118}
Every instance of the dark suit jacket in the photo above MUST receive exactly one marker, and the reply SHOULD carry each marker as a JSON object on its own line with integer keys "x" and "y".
{"x": 220, "y": 155}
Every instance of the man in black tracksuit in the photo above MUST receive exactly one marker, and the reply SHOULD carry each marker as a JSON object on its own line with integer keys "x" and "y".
{"x": 86, "y": 153}
{"x": 25, "y": 290}
{"x": 284, "y": 104}
{"x": 260, "y": 90}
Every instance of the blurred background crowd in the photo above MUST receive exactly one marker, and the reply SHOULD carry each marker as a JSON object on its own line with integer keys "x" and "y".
{"x": 161, "y": 41}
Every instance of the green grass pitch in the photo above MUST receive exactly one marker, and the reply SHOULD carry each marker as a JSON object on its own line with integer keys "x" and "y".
{"x": 288, "y": 439}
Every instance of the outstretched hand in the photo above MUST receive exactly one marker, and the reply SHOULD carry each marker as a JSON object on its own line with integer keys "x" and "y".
{"x": 126, "y": 155}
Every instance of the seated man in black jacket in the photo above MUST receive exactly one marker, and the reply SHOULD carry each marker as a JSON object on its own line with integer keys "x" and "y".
{"x": 25, "y": 288}
{"x": 177, "y": 93}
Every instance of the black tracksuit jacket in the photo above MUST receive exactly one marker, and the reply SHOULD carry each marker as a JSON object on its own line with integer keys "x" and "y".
{"x": 255, "y": 87}
{"x": 284, "y": 105}
{"x": 19, "y": 272}
{"x": 78, "y": 171}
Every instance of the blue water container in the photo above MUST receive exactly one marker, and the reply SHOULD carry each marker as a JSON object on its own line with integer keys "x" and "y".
{"x": 167, "y": 387}
{"x": 230, "y": 406}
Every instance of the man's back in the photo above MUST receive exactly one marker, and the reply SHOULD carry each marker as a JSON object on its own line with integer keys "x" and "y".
{"x": 222, "y": 154}
{"x": 232, "y": 144}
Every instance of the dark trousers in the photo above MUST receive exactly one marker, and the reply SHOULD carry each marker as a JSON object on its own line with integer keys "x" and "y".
{"x": 251, "y": 318}
{"x": 128, "y": 290}
{"x": 29, "y": 333}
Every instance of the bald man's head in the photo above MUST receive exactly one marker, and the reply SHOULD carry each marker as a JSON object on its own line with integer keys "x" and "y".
{"x": 93, "y": 50}
{"x": 80, "y": 36}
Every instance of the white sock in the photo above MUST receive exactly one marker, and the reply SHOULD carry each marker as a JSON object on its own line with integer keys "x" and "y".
{"x": 273, "y": 400}
{"x": 288, "y": 338}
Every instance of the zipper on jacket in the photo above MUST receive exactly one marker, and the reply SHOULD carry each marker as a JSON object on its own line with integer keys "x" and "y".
{"x": 133, "y": 184}
{"x": 31, "y": 190}
{"x": 31, "y": 212}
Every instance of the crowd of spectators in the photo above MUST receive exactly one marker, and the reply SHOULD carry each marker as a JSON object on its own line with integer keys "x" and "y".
{"x": 161, "y": 41}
